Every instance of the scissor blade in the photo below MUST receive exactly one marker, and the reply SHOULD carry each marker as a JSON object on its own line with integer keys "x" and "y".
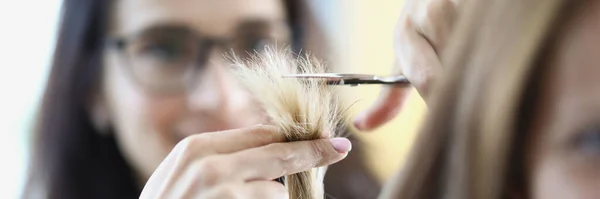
{"x": 352, "y": 79}
{"x": 332, "y": 75}
{"x": 317, "y": 75}
{"x": 331, "y": 79}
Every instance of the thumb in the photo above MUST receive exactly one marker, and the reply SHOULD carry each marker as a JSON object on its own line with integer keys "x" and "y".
{"x": 389, "y": 103}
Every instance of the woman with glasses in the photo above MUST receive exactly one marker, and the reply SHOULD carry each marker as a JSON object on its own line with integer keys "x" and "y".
{"x": 132, "y": 79}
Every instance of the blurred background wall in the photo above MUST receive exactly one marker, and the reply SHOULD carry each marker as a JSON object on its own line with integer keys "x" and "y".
{"x": 361, "y": 30}
{"x": 369, "y": 26}
{"x": 27, "y": 34}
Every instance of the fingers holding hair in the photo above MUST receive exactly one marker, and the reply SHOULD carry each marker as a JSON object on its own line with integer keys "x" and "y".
{"x": 281, "y": 159}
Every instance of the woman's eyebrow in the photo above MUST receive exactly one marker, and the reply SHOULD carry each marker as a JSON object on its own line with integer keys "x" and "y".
{"x": 260, "y": 24}
{"x": 254, "y": 24}
{"x": 248, "y": 26}
{"x": 159, "y": 28}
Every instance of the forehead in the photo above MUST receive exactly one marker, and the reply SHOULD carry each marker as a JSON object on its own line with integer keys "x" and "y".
{"x": 215, "y": 17}
{"x": 575, "y": 74}
{"x": 579, "y": 55}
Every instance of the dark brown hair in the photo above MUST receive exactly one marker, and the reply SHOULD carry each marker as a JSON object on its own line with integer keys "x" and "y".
{"x": 70, "y": 159}
{"x": 471, "y": 143}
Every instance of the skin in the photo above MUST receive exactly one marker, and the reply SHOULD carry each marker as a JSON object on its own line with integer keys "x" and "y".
{"x": 148, "y": 125}
{"x": 420, "y": 36}
{"x": 563, "y": 147}
{"x": 209, "y": 166}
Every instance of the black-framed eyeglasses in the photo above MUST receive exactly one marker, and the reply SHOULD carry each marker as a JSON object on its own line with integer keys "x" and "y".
{"x": 169, "y": 59}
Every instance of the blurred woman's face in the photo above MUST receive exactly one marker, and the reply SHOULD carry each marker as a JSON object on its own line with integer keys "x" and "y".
{"x": 563, "y": 147}
{"x": 166, "y": 79}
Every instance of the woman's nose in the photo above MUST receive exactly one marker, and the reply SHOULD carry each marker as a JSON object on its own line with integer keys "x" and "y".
{"x": 216, "y": 93}
{"x": 210, "y": 93}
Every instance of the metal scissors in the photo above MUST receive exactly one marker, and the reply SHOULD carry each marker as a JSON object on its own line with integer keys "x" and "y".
{"x": 353, "y": 79}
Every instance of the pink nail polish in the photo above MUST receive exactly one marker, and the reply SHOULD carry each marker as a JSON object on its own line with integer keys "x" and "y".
{"x": 341, "y": 145}
{"x": 358, "y": 124}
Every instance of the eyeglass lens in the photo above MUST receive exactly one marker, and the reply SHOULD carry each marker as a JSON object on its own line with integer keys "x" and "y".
{"x": 169, "y": 57}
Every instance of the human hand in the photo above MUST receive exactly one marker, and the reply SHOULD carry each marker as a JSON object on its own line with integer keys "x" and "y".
{"x": 420, "y": 37}
{"x": 239, "y": 163}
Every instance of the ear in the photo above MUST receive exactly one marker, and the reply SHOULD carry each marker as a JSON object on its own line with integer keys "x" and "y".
{"x": 99, "y": 114}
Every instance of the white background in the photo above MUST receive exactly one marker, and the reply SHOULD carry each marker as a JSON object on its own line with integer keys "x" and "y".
{"x": 27, "y": 36}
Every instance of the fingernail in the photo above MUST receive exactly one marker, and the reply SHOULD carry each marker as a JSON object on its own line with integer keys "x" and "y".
{"x": 341, "y": 145}
{"x": 358, "y": 122}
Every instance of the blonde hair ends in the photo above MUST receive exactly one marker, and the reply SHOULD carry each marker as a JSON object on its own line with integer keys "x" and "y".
{"x": 302, "y": 109}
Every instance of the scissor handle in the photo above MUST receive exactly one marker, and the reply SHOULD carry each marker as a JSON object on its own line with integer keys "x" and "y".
{"x": 393, "y": 80}
{"x": 353, "y": 79}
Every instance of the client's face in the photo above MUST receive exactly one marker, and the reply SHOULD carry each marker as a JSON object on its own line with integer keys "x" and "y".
{"x": 563, "y": 147}
{"x": 167, "y": 79}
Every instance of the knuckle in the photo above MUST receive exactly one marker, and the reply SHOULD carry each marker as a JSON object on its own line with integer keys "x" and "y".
{"x": 404, "y": 24}
{"x": 184, "y": 144}
{"x": 210, "y": 171}
{"x": 265, "y": 132}
{"x": 301, "y": 155}
{"x": 185, "y": 149}
{"x": 440, "y": 17}
{"x": 420, "y": 74}
{"x": 189, "y": 144}
{"x": 425, "y": 78}
{"x": 196, "y": 145}
{"x": 265, "y": 128}
{"x": 439, "y": 11}
{"x": 320, "y": 150}
{"x": 283, "y": 152}
{"x": 284, "y": 157}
